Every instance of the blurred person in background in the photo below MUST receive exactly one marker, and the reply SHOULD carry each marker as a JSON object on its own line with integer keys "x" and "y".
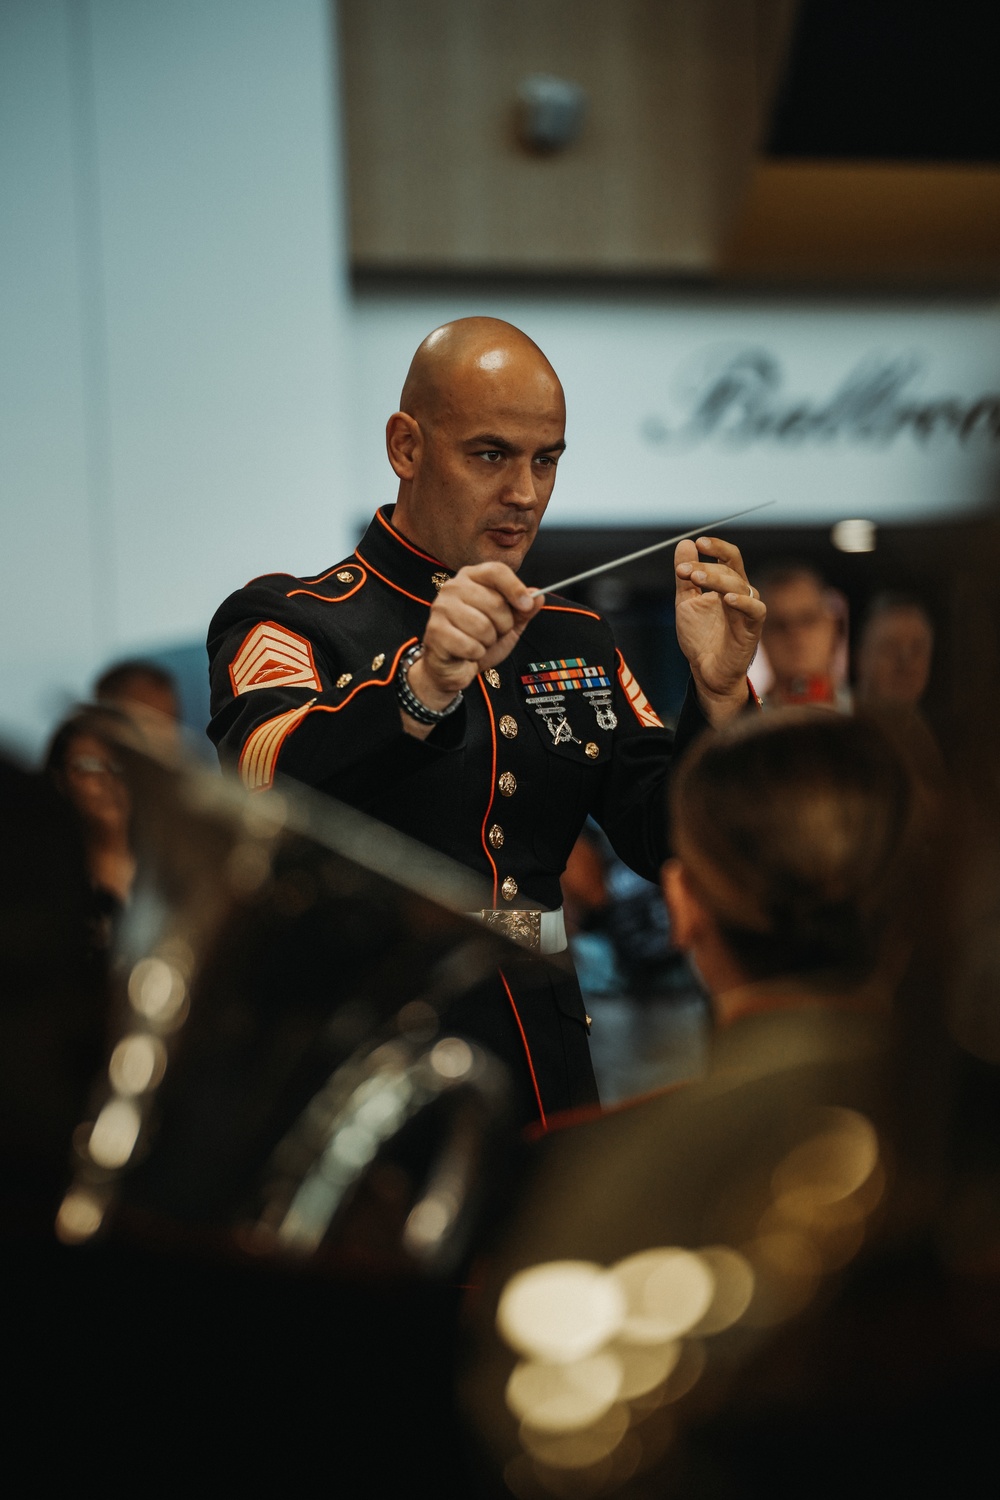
{"x": 804, "y": 638}
{"x": 147, "y": 695}
{"x": 895, "y": 652}
{"x": 82, "y": 764}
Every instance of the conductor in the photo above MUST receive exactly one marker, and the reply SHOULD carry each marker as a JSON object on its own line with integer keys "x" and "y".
{"x": 420, "y": 681}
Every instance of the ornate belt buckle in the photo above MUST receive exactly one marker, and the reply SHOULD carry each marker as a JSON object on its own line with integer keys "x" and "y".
{"x": 524, "y": 927}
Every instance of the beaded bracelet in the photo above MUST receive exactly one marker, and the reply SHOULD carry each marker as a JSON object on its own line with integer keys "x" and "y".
{"x": 408, "y": 700}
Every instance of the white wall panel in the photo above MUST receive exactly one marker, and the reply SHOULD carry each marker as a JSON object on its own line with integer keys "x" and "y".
{"x": 175, "y": 330}
{"x": 857, "y": 409}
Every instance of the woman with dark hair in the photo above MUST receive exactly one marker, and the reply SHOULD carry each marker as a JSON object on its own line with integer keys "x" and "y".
{"x": 81, "y": 762}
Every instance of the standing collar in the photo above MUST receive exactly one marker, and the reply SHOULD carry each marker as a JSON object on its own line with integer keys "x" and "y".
{"x": 398, "y": 562}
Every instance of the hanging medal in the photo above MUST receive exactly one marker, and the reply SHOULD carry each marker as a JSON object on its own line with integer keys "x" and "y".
{"x": 600, "y": 702}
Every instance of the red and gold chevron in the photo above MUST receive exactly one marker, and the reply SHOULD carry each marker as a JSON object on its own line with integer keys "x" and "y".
{"x": 641, "y": 705}
{"x": 260, "y": 753}
{"x": 273, "y": 656}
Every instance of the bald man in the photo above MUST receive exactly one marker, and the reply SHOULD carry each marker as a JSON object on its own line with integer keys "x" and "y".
{"x": 420, "y": 681}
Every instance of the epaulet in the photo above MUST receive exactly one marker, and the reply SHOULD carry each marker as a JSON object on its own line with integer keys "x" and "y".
{"x": 338, "y": 583}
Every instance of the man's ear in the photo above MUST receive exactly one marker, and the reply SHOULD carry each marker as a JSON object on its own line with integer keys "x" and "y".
{"x": 403, "y": 442}
{"x": 687, "y": 915}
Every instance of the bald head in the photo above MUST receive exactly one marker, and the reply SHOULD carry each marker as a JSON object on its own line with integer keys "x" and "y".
{"x": 475, "y": 442}
{"x": 472, "y": 351}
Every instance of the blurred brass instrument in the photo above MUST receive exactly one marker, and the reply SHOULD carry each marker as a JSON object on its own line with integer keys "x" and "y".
{"x": 281, "y": 982}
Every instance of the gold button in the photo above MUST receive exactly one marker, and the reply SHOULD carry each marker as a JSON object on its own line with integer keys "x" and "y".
{"x": 439, "y": 580}
{"x": 377, "y": 661}
{"x": 344, "y": 679}
{"x": 591, "y": 749}
{"x": 507, "y": 783}
{"x": 492, "y": 677}
{"x": 509, "y": 888}
{"x": 495, "y": 836}
{"x": 508, "y": 727}
{"x": 345, "y": 577}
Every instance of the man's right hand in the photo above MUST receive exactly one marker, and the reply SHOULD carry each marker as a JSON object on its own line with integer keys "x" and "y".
{"x": 474, "y": 623}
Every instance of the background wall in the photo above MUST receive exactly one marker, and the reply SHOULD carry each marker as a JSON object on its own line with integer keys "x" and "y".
{"x": 173, "y": 321}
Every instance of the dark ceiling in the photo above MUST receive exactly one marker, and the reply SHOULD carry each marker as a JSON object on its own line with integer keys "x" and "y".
{"x": 888, "y": 80}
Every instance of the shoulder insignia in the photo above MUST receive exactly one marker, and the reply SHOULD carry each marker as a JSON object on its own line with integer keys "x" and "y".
{"x": 270, "y": 656}
{"x": 260, "y": 753}
{"x": 641, "y": 706}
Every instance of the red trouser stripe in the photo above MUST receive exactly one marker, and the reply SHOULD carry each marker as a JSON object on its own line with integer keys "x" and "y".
{"x": 527, "y": 1051}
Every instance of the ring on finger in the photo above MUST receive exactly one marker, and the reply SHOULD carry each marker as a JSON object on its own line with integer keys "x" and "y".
{"x": 753, "y": 592}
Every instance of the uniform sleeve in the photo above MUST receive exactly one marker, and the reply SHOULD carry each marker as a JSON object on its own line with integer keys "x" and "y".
{"x": 631, "y": 805}
{"x": 281, "y": 702}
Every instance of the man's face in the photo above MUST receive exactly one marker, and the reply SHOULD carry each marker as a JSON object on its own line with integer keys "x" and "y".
{"x": 895, "y": 658}
{"x": 486, "y": 464}
{"x": 800, "y": 633}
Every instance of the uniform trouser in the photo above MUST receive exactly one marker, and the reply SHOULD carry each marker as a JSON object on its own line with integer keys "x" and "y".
{"x": 535, "y": 1023}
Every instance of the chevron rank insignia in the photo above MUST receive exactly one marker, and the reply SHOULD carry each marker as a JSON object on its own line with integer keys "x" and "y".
{"x": 272, "y": 656}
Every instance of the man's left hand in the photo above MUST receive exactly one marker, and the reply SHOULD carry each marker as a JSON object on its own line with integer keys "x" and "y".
{"x": 719, "y": 622}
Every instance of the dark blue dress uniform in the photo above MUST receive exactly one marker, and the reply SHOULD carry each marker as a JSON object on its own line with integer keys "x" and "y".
{"x": 302, "y": 684}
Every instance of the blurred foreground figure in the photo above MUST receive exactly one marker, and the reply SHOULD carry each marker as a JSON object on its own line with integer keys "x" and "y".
{"x": 803, "y": 638}
{"x": 240, "y": 1175}
{"x": 895, "y": 652}
{"x": 738, "y": 1288}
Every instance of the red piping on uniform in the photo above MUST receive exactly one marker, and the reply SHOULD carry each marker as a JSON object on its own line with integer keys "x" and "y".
{"x": 527, "y": 1051}
{"x": 415, "y": 597}
{"x": 334, "y": 708}
{"x": 567, "y": 609}
{"x": 326, "y": 599}
{"x": 398, "y": 537}
{"x": 321, "y": 576}
{"x": 493, "y": 787}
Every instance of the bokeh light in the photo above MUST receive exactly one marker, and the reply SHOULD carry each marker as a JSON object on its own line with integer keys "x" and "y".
{"x": 80, "y": 1216}
{"x": 564, "y": 1397}
{"x": 665, "y": 1292}
{"x": 115, "y": 1133}
{"x": 644, "y": 1366}
{"x": 137, "y": 1064}
{"x": 833, "y": 1162}
{"x": 733, "y": 1282}
{"x": 561, "y": 1310}
{"x": 452, "y": 1058}
{"x": 157, "y": 991}
{"x": 580, "y": 1449}
{"x": 787, "y": 1268}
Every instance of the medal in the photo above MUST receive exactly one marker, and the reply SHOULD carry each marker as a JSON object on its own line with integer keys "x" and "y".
{"x": 552, "y": 714}
{"x": 600, "y": 702}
